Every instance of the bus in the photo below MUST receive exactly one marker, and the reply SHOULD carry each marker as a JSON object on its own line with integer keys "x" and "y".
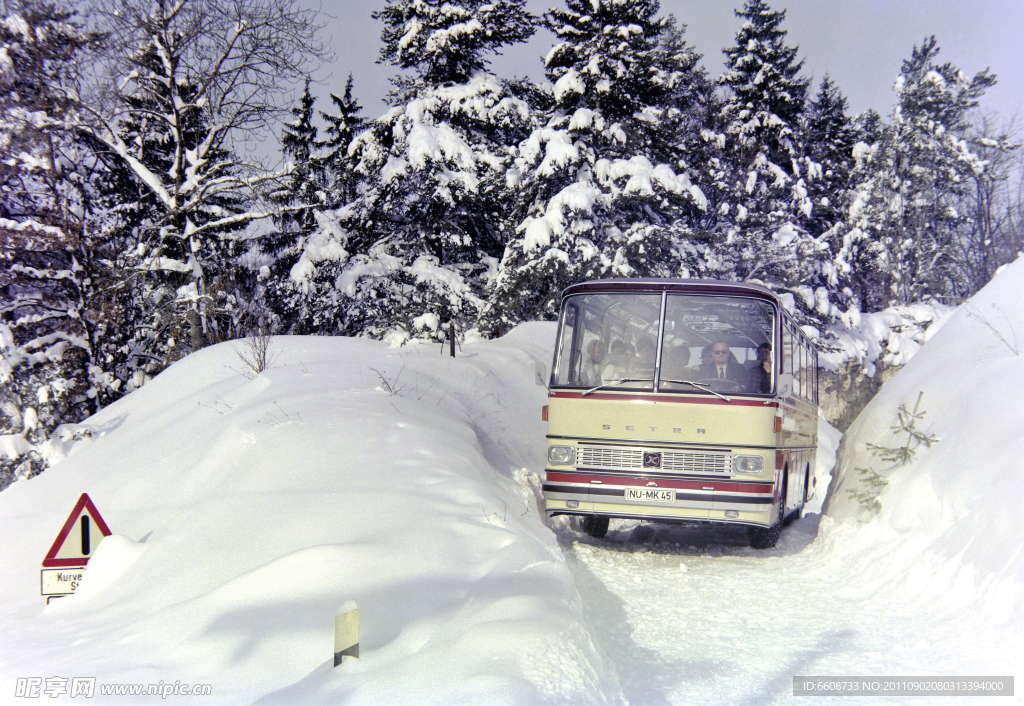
{"x": 681, "y": 401}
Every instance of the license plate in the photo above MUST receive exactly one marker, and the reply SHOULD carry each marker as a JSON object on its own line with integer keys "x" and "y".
{"x": 651, "y": 495}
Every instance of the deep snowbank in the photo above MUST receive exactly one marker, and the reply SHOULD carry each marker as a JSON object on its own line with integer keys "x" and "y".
{"x": 948, "y": 525}
{"x": 246, "y": 512}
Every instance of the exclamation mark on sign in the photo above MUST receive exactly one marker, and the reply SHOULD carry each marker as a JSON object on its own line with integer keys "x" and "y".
{"x": 85, "y": 535}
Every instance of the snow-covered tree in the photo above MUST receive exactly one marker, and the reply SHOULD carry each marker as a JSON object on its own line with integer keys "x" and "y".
{"x": 302, "y": 193}
{"x": 905, "y": 221}
{"x": 766, "y": 204}
{"x": 413, "y": 250}
{"x": 993, "y": 234}
{"x": 186, "y": 82}
{"x": 342, "y": 127}
{"x": 601, "y": 188}
{"x": 828, "y": 138}
{"x": 51, "y": 349}
{"x": 304, "y": 187}
{"x": 765, "y": 102}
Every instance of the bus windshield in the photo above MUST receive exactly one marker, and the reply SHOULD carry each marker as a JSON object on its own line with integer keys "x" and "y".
{"x": 709, "y": 344}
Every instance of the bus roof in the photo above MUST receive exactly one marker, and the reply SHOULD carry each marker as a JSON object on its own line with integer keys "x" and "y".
{"x": 651, "y": 284}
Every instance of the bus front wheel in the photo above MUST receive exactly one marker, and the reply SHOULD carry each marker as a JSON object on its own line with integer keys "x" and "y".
{"x": 766, "y": 537}
{"x": 595, "y": 526}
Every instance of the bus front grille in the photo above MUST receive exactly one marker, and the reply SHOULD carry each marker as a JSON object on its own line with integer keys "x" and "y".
{"x": 631, "y": 458}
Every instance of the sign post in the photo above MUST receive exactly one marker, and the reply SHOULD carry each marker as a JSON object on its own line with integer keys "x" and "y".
{"x": 64, "y": 565}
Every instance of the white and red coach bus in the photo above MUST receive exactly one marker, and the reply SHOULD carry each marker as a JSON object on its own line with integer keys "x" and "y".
{"x": 680, "y": 400}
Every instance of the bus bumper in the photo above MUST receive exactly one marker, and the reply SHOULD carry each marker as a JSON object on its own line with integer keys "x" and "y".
{"x": 721, "y": 500}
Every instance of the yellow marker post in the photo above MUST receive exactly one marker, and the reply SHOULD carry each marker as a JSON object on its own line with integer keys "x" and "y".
{"x": 346, "y": 632}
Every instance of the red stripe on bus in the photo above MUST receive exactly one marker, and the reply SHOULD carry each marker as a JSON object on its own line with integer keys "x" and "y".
{"x": 662, "y": 397}
{"x": 680, "y": 484}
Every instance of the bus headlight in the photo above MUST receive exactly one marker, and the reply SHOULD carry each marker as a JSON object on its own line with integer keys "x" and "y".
{"x": 750, "y": 465}
{"x": 561, "y": 455}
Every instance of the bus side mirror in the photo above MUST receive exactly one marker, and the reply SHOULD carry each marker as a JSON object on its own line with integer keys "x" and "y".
{"x": 785, "y": 385}
{"x": 542, "y": 377}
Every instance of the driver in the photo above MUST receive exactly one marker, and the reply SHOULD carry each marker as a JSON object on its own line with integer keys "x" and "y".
{"x": 723, "y": 366}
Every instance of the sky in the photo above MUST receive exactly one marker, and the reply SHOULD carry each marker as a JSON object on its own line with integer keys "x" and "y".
{"x": 860, "y": 43}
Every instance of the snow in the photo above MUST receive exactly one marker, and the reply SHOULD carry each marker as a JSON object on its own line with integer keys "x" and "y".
{"x": 567, "y": 84}
{"x": 246, "y": 512}
{"x": 891, "y": 336}
{"x": 249, "y": 512}
{"x": 951, "y": 512}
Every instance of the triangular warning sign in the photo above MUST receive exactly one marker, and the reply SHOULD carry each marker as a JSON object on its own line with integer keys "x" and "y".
{"x": 79, "y": 536}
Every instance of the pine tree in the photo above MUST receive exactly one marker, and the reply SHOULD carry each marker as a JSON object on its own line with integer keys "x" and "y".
{"x": 413, "y": 250}
{"x": 828, "y": 137}
{"x": 342, "y": 128}
{"x": 767, "y": 202}
{"x": 765, "y": 103}
{"x": 303, "y": 193}
{"x": 448, "y": 42}
{"x": 697, "y": 134}
{"x": 305, "y": 188}
{"x": 905, "y": 220}
{"x": 193, "y": 78}
{"x": 599, "y": 194}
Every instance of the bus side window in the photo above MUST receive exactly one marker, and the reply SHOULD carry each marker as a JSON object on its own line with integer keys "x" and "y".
{"x": 787, "y": 350}
{"x": 814, "y": 378}
{"x": 801, "y": 368}
{"x": 808, "y": 372}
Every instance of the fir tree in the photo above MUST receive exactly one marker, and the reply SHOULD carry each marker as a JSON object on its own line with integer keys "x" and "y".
{"x": 342, "y": 128}
{"x": 764, "y": 105}
{"x": 193, "y": 77}
{"x": 306, "y": 181}
{"x": 766, "y": 92}
{"x": 828, "y": 137}
{"x": 599, "y": 194}
{"x": 766, "y": 201}
{"x": 448, "y": 42}
{"x": 413, "y": 250}
{"x": 188, "y": 290}
{"x": 304, "y": 192}
{"x": 765, "y": 102}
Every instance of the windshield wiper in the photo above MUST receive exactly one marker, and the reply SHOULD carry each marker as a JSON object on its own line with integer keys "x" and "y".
{"x": 617, "y": 382}
{"x": 699, "y": 386}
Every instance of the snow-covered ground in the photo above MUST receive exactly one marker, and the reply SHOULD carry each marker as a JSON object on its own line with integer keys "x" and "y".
{"x": 246, "y": 512}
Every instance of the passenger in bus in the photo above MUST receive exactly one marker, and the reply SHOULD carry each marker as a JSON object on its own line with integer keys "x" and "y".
{"x": 620, "y": 362}
{"x": 761, "y": 373}
{"x": 593, "y": 363}
{"x": 644, "y": 363}
{"x": 705, "y": 361}
{"x": 724, "y": 366}
{"x": 676, "y": 364}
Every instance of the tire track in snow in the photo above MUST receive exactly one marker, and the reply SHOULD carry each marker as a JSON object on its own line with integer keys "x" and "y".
{"x": 693, "y": 615}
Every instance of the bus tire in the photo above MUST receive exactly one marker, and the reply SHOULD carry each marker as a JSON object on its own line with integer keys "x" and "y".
{"x": 596, "y": 527}
{"x": 767, "y": 537}
{"x": 764, "y": 537}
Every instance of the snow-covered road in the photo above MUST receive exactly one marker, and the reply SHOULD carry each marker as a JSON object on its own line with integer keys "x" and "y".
{"x": 694, "y": 615}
